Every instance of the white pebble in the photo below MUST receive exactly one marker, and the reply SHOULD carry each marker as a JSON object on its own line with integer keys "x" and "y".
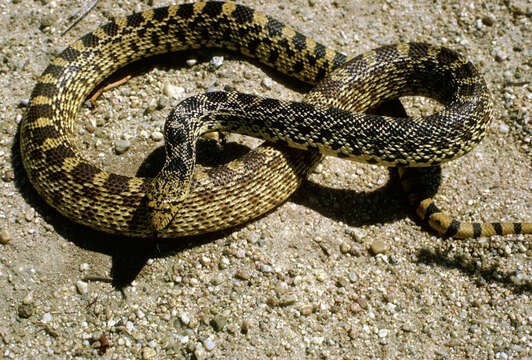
{"x": 217, "y": 61}
{"x": 209, "y": 344}
{"x": 83, "y": 287}
{"x": 383, "y": 333}
{"x": 84, "y": 267}
{"x": 503, "y": 128}
{"x": 173, "y": 91}
{"x": 47, "y": 317}
{"x": 157, "y": 136}
{"x": 185, "y": 318}
{"x": 191, "y": 62}
{"x": 267, "y": 83}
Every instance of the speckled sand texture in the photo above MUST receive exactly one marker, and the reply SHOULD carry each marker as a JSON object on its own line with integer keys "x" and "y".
{"x": 304, "y": 281}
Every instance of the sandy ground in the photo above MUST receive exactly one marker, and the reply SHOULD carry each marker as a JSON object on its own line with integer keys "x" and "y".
{"x": 301, "y": 282}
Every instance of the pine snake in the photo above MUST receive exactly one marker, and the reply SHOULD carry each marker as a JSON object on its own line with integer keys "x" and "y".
{"x": 248, "y": 187}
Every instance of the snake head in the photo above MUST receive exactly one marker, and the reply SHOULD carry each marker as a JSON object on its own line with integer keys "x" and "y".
{"x": 166, "y": 192}
{"x": 164, "y": 198}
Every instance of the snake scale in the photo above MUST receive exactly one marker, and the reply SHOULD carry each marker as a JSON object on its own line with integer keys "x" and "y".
{"x": 245, "y": 188}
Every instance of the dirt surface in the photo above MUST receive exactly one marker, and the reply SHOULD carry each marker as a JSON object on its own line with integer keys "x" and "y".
{"x": 304, "y": 280}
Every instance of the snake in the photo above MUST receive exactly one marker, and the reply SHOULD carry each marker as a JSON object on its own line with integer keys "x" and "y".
{"x": 329, "y": 121}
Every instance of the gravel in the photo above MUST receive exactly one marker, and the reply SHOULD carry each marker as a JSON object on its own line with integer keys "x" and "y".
{"x": 302, "y": 281}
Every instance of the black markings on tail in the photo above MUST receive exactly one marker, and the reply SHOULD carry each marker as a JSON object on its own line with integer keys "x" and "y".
{"x": 431, "y": 209}
{"x": 497, "y": 227}
{"x": 477, "y": 229}
{"x": 518, "y": 228}
{"x": 453, "y": 228}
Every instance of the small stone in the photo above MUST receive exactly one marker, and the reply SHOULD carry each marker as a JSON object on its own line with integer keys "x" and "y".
{"x": 355, "y": 308}
{"x": 84, "y": 267}
{"x": 265, "y": 268}
{"x": 191, "y": 62}
{"x": 306, "y": 310}
{"x": 199, "y": 352}
{"x": 25, "y": 310}
{"x": 148, "y": 353}
{"x": 489, "y": 20}
{"x": 218, "y": 322}
{"x": 82, "y": 286}
{"x": 287, "y": 300}
{"x": 184, "y": 318}
{"x": 345, "y": 248}
{"x": 246, "y": 325}
{"x": 383, "y": 333}
{"x": 378, "y": 247}
{"x": 215, "y": 63}
{"x": 503, "y": 128}
{"x": 500, "y": 56}
{"x": 5, "y": 236}
{"x": 29, "y": 215}
{"x": 267, "y": 83}
{"x": 157, "y": 136}
{"x": 341, "y": 282}
{"x": 242, "y": 275}
{"x": 209, "y": 344}
{"x": 121, "y": 146}
{"x": 47, "y": 317}
{"x": 173, "y": 91}
{"x": 353, "y": 276}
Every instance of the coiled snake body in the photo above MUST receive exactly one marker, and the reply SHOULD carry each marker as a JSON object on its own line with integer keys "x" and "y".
{"x": 243, "y": 189}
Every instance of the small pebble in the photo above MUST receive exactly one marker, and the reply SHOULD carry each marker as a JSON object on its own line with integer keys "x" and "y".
{"x": 355, "y": 308}
{"x": 25, "y": 310}
{"x": 242, "y": 275}
{"x": 265, "y": 268}
{"x": 47, "y": 317}
{"x": 287, "y": 300}
{"x": 148, "y": 353}
{"x": 82, "y": 286}
{"x": 209, "y": 344}
{"x": 306, "y": 310}
{"x": 503, "y": 128}
{"x": 215, "y": 63}
{"x": 5, "y": 236}
{"x": 191, "y": 62}
{"x": 489, "y": 20}
{"x": 353, "y": 276}
{"x": 246, "y": 325}
{"x": 267, "y": 83}
{"x": 173, "y": 91}
{"x": 84, "y": 267}
{"x": 185, "y": 318}
{"x": 218, "y": 322}
{"x": 378, "y": 247}
{"x": 199, "y": 352}
{"x": 345, "y": 248}
{"x": 157, "y": 136}
{"x": 121, "y": 146}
